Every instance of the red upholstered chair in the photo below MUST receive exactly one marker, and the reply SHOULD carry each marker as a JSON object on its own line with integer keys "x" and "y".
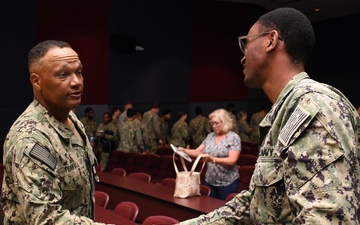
{"x": 249, "y": 144}
{"x": 127, "y": 209}
{"x": 205, "y": 190}
{"x": 131, "y": 162}
{"x": 140, "y": 176}
{"x": 118, "y": 171}
{"x": 101, "y": 198}
{"x": 231, "y": 196}
{"x": 165, "y": 168}
{"x": 168, "y": 182}
{"x": 245, "y": 173}
{"x": 246, "y": 150}
{"x": 247, "y": 160}
{"x": 160, "y": 220}
{"x": 164, "y": 151}
{"x": 148, "y": 162}
{"x": 99, "y": 168}
{"x": 116, "y": 159}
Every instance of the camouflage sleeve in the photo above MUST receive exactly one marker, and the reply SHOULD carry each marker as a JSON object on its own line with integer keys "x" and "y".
{"x": 320, "y": 173}
{"x": 185, "y": 133}
{"x": 157, "y": 127}
{"x": 35, "y": 189}
{"x": 236, "y": 211}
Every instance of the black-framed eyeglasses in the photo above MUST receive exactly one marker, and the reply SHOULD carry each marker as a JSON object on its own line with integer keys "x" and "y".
{"x": 243, "y": 44}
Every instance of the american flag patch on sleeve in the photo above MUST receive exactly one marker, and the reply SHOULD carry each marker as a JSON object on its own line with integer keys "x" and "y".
{"x": 43, "y": 154}
{"x": 295, "y": 121}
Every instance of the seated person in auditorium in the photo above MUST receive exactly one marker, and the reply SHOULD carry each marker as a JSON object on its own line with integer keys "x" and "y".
{"x": 222, "y": 150}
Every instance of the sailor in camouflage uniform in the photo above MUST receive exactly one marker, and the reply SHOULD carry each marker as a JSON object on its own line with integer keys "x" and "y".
{"x": 49, "y": 166}
{"x": 308, "y": 168}
{"x": 199, "y": 127}
{"x": 152, "y": 124}
{"x": 132, "y": 136}
{"x": 180, "y": 136}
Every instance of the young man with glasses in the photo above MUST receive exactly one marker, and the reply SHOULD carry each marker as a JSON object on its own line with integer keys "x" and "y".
{"x": 308, "y": 170}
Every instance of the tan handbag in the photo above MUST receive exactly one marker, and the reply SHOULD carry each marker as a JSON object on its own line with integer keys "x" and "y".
{"x": 187, "y": 182}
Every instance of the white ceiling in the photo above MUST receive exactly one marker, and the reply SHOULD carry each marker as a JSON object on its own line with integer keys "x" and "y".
{"x": 328, "y": 9}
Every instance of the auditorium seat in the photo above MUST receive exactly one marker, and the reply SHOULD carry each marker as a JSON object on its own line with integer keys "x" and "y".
{"x": 164, "y": 151}
{"x": 101, "y": 198}
{"x": 231, "y": 196}
{"x": 127, "y": 209}
{"x": 246, "y": 173}
{"x": 119, "y": 171}
{"x": 116, "y": 159}
{"x": 164, "y": 168}
{"x": 140, "y": 176}
{"x": 131, "y": 162}
{"x": 247, "y": 160}
{"x": 148, "y": 162}
{"x": 160, "y": 220}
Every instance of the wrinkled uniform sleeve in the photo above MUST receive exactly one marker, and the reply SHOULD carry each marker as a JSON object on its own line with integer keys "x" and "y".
{"x": 236, "y": 211}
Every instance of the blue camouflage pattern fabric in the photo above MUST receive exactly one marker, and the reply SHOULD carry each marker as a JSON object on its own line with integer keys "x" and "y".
{"x": 49, "y": 173}
{"x": 308, "y": 167}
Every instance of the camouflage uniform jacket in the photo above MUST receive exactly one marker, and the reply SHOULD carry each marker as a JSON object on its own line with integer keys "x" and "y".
{"x": 180, "y": 134}
{"x": 131, "y": 138}
{"x": 199, "y": 129}
{"x": 308, "y": 167}
{"x": 48, "y": 172}
{"x": 255, "y": 120}
{"x": 152, "y": 125}
{"x": 165, "y": 131}
{"x": 235, "y": 128}
{"x": 244, "y": 130}
{"x": 90, "y": 126}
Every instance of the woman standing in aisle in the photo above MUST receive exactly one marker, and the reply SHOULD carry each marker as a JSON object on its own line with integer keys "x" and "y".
{"x": 222, "y": 149}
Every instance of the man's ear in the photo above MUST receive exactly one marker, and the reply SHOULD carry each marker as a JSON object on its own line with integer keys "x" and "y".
{"x": 273, "y": 40}
{"x": 35, "y": 80}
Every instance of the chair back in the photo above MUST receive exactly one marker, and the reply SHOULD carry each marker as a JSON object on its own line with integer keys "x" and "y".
{"x": 231, "y": 196}
{"x": 101, "y": 198}
{"x": 205, "y": 190}
{"x": 119, "y": 171}
{"x": 169, "y": 182}
{"x": 127, "y": 209}
{"x": 160, "y": 220}
{"x": 140, "y": 176}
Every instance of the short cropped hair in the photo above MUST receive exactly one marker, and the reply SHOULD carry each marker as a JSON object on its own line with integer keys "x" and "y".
{"x": 224, "y": 117}
{"x": 88, "y": 110}
{"x": 40, "y": 50}
{"x": 294, "y": 28}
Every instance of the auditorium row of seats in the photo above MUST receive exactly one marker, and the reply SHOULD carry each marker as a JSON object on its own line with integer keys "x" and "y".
{"x": 161, "y": 166}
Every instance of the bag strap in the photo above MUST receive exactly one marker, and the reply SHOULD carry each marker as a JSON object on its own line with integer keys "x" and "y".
{"x": 196, "y": 162}
{"x": 182, "y": 162}
{"x": 193, "y": 166}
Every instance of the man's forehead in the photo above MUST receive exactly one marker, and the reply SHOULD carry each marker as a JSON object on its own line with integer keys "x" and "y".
{"x": 62, "y": 54}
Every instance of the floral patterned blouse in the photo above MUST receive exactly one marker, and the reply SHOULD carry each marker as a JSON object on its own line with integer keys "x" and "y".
{"x": 218, "y": 175}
